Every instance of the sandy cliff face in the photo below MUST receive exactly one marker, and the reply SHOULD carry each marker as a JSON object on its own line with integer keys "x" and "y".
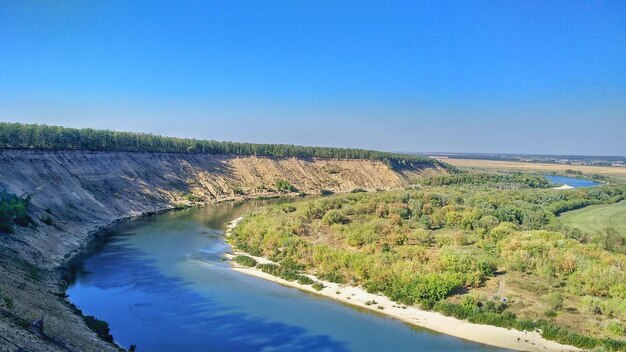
{"x": 82, "y": 191}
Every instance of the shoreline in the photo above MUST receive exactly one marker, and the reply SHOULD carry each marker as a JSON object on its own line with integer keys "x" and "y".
{"x": 62, "y": 270}
{"x": 356, "y": 296}
{"x": 564, "y": 187}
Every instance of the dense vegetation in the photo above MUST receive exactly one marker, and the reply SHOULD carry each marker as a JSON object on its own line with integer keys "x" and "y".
{"x": 245, "y": 260}
{"x": 17, "y": 135}
{"x": 286, "y": 186}
{"x": 12, "y": 211}
{"x": 507, "y": 180}
{"x": 100, "y": 327}
{"x": 434, "y": 244}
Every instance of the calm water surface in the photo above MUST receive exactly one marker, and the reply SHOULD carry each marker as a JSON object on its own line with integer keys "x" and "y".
{"x": 571, "y": 181}
{"x": 161, "y": 284}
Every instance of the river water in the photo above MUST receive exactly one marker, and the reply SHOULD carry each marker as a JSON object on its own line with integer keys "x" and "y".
{"x": 571, "y": 181}
{"x": 161, "y": 284}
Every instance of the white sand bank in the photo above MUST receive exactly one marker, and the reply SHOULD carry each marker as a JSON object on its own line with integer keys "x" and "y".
{"x": 564, "y": 187}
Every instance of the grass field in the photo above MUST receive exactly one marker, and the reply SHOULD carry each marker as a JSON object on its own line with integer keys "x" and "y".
{"x": 596, "y": 219}
{"x": 617, "y": 172}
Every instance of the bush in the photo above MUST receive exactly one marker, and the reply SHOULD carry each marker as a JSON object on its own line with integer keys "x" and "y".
{"x": 332, "y": 276}
{"x": 425, "y": 289}
{"x": 100, "y": 327}
{"x": 305, "y": 280}
{"x": 284, "y": 185}
{"x": 325, "y": 192}
{"x": 13, "y": 211}
{"x": 192, "y": 197}
{"x": 285, "y": 273}
{"x": 334, "y": 216}
{"x": 245, "y": 260}
{"x": 318, "y": 286}
{"x": 244, "y": 247}
{"x": 272, "y": 269}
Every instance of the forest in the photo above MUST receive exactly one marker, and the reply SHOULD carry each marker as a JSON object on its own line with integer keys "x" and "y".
{"x": 447, "y": 244}
{"x": 18, "y": 135}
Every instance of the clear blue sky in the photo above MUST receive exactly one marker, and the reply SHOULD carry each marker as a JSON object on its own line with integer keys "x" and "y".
{"x": 477, "y": 76}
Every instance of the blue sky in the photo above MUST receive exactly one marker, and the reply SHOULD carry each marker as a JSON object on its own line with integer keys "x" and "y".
{"x": 480, "y": 76}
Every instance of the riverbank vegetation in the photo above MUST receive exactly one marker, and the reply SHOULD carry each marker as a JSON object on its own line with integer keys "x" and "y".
{"x": 18, "y": 135}
{"x": 485, "y": 248}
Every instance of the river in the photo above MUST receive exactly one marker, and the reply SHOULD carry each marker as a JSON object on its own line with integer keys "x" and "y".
{"x": 571, "y": 181}
{"x": 161, "y": 284}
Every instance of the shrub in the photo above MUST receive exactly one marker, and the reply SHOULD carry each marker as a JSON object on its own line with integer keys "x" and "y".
{"x": 192, "y": 197}
{"x": 245, "y": 247}
{"x": 334, "y": 216}
{"x": 245, "y": 260}
{"x": 325, "y": 192}
{"x": 425, "y": 289}
{"x": 13, "y": 211}
{"x": 318, "y": 286}
{"x": 285, "y": 273}
{"x": 332, "y": 276}
{"x": 100, "y": 327}
{"x": 290, "y": 264}
{"x": 305, "y": 280}
{"x": 272, "y": 269}
{"x": 284, "y": 185}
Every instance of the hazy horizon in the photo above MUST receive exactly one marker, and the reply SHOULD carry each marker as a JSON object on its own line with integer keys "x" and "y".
{"x": 523, "y": 78}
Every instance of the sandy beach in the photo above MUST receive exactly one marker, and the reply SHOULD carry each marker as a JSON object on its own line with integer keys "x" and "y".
{"x": 486, "y": 334}
{"x": 564, "y": 187}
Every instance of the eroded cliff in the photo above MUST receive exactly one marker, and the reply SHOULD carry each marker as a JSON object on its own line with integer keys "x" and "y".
{"x": 76, "y": 193}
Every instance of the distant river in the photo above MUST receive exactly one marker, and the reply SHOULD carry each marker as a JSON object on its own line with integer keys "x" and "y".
{"x": 160, "y": 282}
{"x": 571, "y": 181}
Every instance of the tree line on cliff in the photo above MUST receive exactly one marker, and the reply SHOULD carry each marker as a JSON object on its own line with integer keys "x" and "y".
{"x": 37, "y": 136}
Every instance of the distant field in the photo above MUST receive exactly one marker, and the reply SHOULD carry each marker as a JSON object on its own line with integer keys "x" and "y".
{"x": 618, "y": 172}
{"x": 596, "y": 219}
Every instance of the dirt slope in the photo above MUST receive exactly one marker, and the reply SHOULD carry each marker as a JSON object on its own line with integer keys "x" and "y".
{"x": 83, "y": 191}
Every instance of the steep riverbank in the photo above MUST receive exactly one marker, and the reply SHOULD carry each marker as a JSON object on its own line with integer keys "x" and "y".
{"x": 74, "y": 194}
{"x": 356, "y": 296}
